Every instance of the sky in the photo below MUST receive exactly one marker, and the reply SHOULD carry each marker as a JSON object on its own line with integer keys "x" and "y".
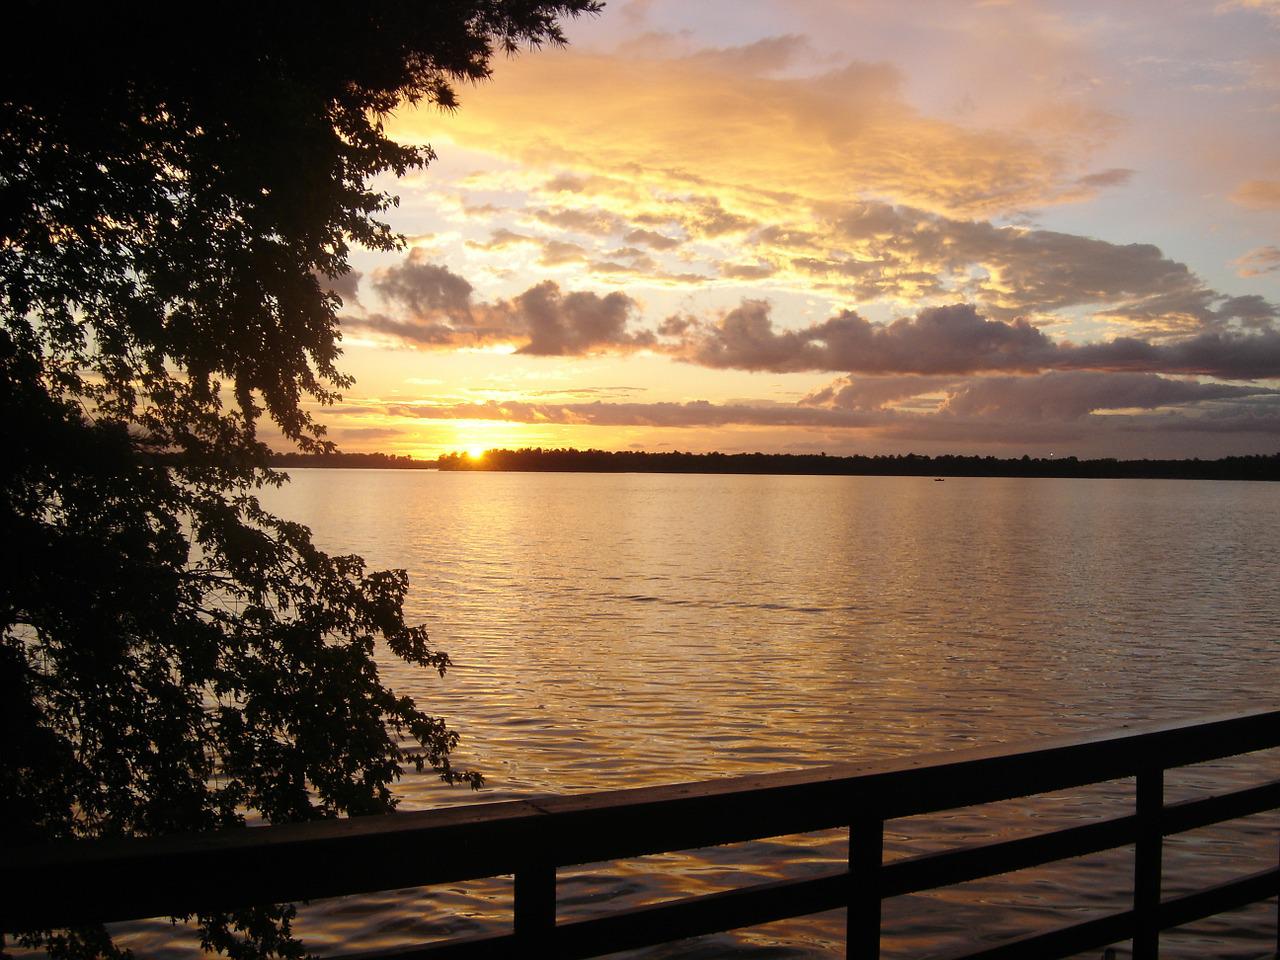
{"x": 948, "y": 226}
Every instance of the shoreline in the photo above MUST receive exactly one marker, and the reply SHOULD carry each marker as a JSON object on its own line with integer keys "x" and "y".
{"x": 1248, "y": 468}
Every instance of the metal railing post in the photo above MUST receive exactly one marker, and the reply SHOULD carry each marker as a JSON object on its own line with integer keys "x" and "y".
{"x": 1147, "y": 863}
{"x": 535, "y": 908}
{"x": 862, "y": 922}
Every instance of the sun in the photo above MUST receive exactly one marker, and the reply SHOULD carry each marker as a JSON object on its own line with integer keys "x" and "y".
{"x": 476, "y": 453}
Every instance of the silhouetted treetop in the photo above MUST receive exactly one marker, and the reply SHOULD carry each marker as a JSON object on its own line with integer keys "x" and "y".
{"x": 176, "y": 184}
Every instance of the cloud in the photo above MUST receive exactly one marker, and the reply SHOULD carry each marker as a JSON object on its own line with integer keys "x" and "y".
{"x": 1073, "y": 394}
{"x": 710, "y": 219}
{"x": 909, "y": 254}
{"x": 1269, "y": 7}
{"x": 1231, "y": 356}
{"x": 1258, "y": 262}
{"x": 432, "y": 307}
{"x": 954, "y": 339}
{"x": 503, "y": 239}
{"x": 1023, "y": 409}
{"x": 637, "y": 265}
{"x": 592, "y": 221}
{"x": 941, "y": 339}
{"x": 875, "y": 393}
{"x": 1057, "y": 395}
{"x": 436, "y": 309}
{"x": 651, "y": 238}
{"x": 575, "y": 323}
{"x": 696, "y": 413}
{"x": 759, "y": 117}
{"x": 578, "y": 392}
{"x": 425, "y": 289}
{"x": 557, "y": 252}
{"x": 871, "y": 250}
{"x": 1258, "y": 194}
{"x": 747, "y": 271}
{"x": 346, "y": 286}
{"x": 573, "y": 183}
{"x": 1115, "y": 177}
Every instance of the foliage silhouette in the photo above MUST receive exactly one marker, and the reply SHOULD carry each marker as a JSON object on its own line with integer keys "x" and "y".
{"x": 173, "y": 192}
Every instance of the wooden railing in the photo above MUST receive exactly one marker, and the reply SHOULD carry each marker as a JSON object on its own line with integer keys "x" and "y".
{"x": 87, "y": 881}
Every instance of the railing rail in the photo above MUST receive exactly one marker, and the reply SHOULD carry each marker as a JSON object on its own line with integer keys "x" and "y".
{"x": 75, "y": 882}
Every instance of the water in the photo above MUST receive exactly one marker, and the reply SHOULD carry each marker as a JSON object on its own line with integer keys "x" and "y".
{"x": 626, "y": 630}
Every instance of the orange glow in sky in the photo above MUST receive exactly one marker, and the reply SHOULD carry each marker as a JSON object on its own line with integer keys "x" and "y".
{"x": 954, "y": 226}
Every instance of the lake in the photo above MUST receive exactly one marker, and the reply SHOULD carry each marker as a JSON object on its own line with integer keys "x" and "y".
{"x": 614, "y": 630}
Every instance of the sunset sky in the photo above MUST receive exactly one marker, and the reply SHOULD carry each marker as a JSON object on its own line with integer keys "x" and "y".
{"x": 993, "y": 226}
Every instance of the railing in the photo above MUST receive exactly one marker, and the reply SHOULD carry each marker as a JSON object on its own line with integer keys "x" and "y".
{"x": 100, "y": 881}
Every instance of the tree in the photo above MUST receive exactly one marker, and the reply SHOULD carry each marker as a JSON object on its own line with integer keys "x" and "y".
{"x": 173, "y": 195}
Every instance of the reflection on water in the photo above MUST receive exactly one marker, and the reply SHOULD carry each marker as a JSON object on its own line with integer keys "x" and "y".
{"x": 625, "y": 630}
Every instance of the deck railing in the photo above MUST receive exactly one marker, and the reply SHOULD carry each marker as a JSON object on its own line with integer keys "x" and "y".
{"x": 86, "y": 881}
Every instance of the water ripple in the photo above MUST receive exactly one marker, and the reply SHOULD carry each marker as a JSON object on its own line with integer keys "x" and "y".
{"x": 616, "y": 631}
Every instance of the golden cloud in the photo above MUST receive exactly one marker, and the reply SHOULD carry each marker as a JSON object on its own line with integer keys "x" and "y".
{"x": 725, "y": 119}
{"x": 1258, "y": 194}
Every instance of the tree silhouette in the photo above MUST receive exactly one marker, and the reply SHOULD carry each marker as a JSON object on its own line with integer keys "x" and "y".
{"x": 173, "y": 192}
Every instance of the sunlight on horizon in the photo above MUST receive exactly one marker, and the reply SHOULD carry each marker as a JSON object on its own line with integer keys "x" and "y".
{"x": 900, "y": 251}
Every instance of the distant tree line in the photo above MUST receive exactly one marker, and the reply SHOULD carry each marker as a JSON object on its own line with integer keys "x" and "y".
{"x": 364, "y": 461}
{"x": 1260, "y": 467}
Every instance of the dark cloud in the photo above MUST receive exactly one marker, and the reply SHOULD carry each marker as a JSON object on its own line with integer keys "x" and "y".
{"x": 1057, "y": 395}
{"x": 346, "y": 286}
{"x": 437, "y": 309}
{"x": 1238, "y": 419}
{"x": 425, "y": 334}
{"x": 955, "y": 339}
{"x": 425, "y": 289}
{"x": 874, "y": 393}
{"x": 575, "y": 323}
{"x": 431, "y": 306}
{"x": 1251, "y": 310}
{"x": 1069, "y": 395}
{"x": 1228, "y": 355}
{"x": 677, "y": 325}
